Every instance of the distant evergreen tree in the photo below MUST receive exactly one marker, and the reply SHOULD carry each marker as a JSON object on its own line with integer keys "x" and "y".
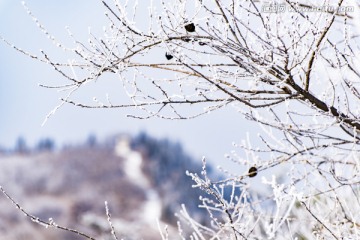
{"x": 91, "y": 141}
{"x": 20, "y": 146}
{"x": 46, "y": 144}
{"x": 2, "y": 150}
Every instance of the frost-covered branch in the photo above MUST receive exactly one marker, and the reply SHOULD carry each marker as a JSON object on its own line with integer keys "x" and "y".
{"x": 292, "y": 70}
{"x": 46, "y": 224}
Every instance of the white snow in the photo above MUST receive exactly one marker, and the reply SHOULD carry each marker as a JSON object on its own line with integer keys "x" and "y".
{"x": 151, "y": 209}
{"x": 132, "y": 163}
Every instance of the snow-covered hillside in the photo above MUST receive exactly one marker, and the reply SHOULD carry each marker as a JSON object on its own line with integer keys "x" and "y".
{"x": 142, "y": 179}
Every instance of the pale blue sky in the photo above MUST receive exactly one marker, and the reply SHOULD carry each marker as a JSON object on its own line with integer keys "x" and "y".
{"x": 24, "y": 105}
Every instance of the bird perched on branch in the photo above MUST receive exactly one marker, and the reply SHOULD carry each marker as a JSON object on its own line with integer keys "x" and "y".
{"x": 168, "y": 56}
{"x": 190, "y": 27}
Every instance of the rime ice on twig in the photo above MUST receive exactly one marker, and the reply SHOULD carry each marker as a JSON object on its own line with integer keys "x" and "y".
{"x": 41, "y": 222}
{"x": 113, "y": 233}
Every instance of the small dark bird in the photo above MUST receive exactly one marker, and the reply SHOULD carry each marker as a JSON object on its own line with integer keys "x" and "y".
{"x": 168, "y": 56}
{"x": 252, "y": 172}
{"x": 190, "y": 27}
